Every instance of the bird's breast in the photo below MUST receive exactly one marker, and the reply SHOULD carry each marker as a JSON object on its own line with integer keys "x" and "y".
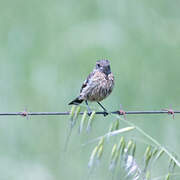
{"x": 99, "y": 87}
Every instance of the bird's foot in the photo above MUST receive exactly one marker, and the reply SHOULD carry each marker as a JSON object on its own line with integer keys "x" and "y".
{"x": 89, "y": 113}
{"x": 105, "y": 113}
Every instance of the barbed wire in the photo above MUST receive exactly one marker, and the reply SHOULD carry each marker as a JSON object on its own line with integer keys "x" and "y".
{"x": 119, "y": 112}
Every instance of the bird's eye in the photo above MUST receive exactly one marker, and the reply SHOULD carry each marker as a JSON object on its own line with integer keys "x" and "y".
{"x": 98, "y": 65}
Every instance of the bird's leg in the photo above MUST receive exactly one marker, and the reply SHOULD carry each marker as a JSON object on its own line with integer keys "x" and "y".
{"x": 105, "y": 111}
{"x": 89, "y": 110}
{"x": 102, "y": 106}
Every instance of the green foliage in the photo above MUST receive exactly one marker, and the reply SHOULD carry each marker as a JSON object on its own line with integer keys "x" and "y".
{"x": 123, "y": 163}
{"x": 82, "y": 121}
{"x": 90, "y": 121}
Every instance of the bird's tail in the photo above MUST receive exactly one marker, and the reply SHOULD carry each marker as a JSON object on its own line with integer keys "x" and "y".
{"x": 76, "y": 101}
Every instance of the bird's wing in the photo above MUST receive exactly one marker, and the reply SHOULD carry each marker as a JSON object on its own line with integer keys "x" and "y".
{"x": 86, "y": 81}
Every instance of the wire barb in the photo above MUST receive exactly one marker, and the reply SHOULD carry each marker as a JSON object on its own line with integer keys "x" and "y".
{"x": 122, "y": 112}
{"x": 170, "y": 112}
{"x": 24, "y": 114}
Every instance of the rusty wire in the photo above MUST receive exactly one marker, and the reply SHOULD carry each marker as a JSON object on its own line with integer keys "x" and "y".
{"x": 119, "y": 112}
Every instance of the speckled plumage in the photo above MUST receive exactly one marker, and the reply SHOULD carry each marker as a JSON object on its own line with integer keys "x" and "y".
{"x": 98, "y": 85}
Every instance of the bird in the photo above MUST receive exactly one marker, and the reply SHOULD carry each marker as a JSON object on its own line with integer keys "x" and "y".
{"x": 97, "y": 86}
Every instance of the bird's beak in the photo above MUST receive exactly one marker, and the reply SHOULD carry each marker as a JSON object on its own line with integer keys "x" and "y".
{"x": 108, "y": 70}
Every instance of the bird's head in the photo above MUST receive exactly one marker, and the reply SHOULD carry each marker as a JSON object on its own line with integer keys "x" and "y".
{"x": 103, "y": 66}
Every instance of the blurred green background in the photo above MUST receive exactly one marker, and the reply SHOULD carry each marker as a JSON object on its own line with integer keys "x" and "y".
{"x": 47, "y": 48}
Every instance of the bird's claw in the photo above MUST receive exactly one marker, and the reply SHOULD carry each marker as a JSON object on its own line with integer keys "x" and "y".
{"x": 105, "y": 113}
{"x": 89, "y": 113}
